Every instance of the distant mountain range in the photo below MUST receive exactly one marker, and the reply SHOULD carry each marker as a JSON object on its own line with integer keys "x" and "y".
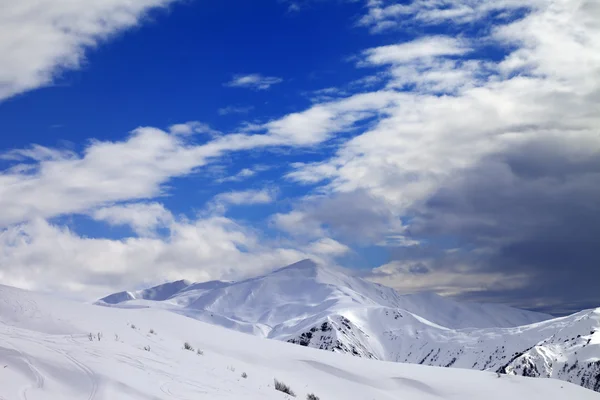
{"x": 326, "y": 308}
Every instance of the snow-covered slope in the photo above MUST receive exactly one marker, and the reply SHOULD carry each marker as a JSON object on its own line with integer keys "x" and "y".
{"x": 325, "y": 308}
{"x": 566, "y": 348}
{"x": 305, "y": 289}
{"x": 571, "y": 354}
{"x": 157, "y": 293}
{"x": 49, "y": 350}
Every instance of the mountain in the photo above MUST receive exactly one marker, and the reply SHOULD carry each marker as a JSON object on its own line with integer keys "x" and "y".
{"x": 157, "y": 293}
{"x": 328, "y": 309}
{"x": 305, "y": 289}
{"x": 53, "y": 349}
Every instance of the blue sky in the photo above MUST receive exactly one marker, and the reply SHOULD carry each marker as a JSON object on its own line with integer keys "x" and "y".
{"x": 173, "y": 68}
{"x": 449, "y": 146}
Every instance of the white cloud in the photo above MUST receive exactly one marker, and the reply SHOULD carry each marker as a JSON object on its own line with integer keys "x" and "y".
{"x": 243, "y": 174}
{"x": 253, "y": 81}
{"x": 322, "y": 121}
{"x": 427, "y": 47}
{"x": 40, "y": 38}
{"x": 328, "y": 246}
{"x": 189, "y": 128}
{"x": 428, "y": 64}
{"x": 422, "y": 139}
{"x": 107, "y": 172}
{"x": 50, "y": 182}
{"x": 448, "y": 114}
{"x": 247, "y": 197}
{"x": 298, "y": 223}
{"x": 382, "y": 17}
{"x": 144, "y": 218}
{"x": 204, "y": 249}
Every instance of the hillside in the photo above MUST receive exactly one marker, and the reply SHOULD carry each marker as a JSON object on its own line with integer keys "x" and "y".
{"x": 50, "y": 350}
{"x": 305, "y": 289}
{"x": 327, "y": 309}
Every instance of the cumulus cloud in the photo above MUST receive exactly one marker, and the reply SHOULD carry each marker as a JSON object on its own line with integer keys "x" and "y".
{"x": 143, "y": 218}
{"x": 224, "y": 200}
{"x": 328, "y": 246}
{"x": 106, "y": 172}
{"x": 253, "y": 81}
{"x": 40, "y": 38}
{"x": 206, "y": 248}
{"x": 531, "y": 211}
{"x": 45, "y": 182}
{"x": 61, "y": 260}
{"x": 356, "y": 217}
{"x": 491, "y": 163}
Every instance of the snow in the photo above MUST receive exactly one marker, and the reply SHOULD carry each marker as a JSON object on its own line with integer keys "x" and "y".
{"x": 306, "y": 290}
{"x": 325, "y": 308}
{"x": 46, "y": 353}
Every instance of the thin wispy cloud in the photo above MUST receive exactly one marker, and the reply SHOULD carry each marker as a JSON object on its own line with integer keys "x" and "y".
{"x": 253, "y": 81}
{"x": 245, "y": 173}
{"x": 235, "y": 110}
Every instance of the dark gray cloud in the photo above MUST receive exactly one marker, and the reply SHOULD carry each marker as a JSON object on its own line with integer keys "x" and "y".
{"x": 355, "y": 217}
{"x": 534, "y": 210}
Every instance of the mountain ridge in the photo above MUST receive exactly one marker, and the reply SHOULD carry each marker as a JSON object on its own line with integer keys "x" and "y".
{"x": 326, "y": 308}
{"x": 306, "y": 282}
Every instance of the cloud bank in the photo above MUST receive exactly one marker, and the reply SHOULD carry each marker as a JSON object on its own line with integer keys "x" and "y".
{"x": 476, "y": 170}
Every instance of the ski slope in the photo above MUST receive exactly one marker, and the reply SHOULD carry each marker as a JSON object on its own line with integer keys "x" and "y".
{"x": 46, "y": 353}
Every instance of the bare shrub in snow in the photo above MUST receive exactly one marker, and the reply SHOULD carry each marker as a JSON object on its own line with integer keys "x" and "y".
{"x": 200, "y": 352}
{"x": 152, "y": 331}
{"x": 244, "y": 375}
{"x": 188, "y": 346}
{"x": 311, "y": 396}
{"x": 147, "y": 348}
{"x": 133, "y": 326}
{"x": 91, "y": 336}
{"x": 282, "y": 387}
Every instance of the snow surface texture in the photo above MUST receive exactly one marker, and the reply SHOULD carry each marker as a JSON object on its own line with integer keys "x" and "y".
{"x": 327, "y": 309}
{"x": 55, "y": 350}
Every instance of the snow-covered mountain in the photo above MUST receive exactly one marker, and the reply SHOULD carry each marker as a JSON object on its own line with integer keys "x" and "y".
{"x": 325, "y": 308}
{"x": 52, "y": 349}
{"x": 305, "y": 289}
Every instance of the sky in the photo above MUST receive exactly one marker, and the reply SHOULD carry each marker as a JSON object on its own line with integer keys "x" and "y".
{"x": 428, "y": 145}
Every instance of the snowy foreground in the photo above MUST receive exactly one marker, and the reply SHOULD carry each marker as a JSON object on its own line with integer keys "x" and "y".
{"x": 46, "y": 353}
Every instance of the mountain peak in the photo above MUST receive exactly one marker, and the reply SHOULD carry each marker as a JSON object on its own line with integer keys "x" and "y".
{"x": 306, "y": 265}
